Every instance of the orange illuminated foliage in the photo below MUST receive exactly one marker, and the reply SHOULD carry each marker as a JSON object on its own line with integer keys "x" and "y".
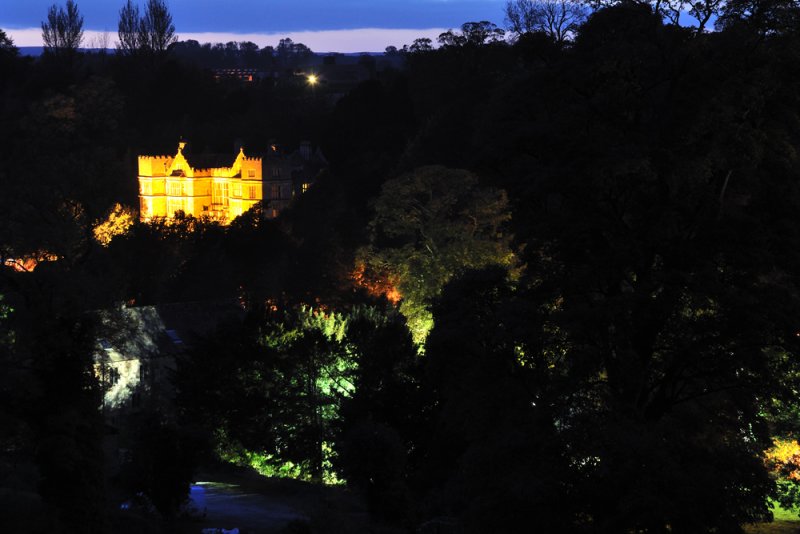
{"x": 376, "y": 284}
{"x": 784, "y": 459}
{"x": 119, "y": 221}
{"x": 28, "y": 262}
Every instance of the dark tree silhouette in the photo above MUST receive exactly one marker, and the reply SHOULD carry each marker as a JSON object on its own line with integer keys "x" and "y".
{"x": 472, "y": 33}
{"x": 62, "y": 32}
{"x": 156, "y": 29}
{"x": 129, "y": 29}
{"x": 558, "y": 19}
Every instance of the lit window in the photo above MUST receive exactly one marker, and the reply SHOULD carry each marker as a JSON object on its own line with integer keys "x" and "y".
{"x": 305, "y": 187}
{"x": 220, "y": 194}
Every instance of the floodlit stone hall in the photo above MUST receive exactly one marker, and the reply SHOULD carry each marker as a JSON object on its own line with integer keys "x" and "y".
{"x": 202, "y": 187}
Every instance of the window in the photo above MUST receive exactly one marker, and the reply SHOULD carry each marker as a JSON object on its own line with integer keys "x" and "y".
{"x": 174, "y": 189}
{"x": 220, "y": 194}
{"x": 251, "y": 191}
{"x": 276, "y": 172}
{"x": 251, "y": 173}
{"x": 145, "y": 188}
{"x": 237, "y": 190}
{"x": 275, "y": 191}
{"x": 144, "y": 206}
{"x": 305, "y": 187}
{"x": 176, "y": 205}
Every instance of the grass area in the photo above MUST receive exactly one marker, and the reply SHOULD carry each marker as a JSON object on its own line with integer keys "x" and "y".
{"x": 785, "y": 522}
{"x": 782, "y": 514}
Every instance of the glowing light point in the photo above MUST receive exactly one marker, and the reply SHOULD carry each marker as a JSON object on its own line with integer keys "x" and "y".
{"x": 312, "y": 79}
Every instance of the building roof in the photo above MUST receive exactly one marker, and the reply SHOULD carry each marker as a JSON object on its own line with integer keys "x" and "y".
{"x": 210, "y": 161}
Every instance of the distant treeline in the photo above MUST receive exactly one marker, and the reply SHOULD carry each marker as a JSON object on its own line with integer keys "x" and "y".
{"x": 232, "y": 54}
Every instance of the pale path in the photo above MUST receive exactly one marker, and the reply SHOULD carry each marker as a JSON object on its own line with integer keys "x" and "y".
{"x": 229, "y": 506}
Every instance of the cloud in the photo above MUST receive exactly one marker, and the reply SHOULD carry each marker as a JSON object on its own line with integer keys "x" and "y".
{"x": 356, "y": 40}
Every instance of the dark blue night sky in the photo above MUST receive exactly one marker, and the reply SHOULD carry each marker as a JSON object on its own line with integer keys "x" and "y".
{"x": 269, "y": 16}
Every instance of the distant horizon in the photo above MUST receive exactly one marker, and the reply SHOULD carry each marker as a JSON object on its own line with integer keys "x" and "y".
{"x": 322, "y": 25}
{"x": 323, "y": 41}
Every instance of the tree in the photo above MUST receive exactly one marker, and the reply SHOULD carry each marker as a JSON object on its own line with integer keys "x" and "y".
{"x": 472, "y": 33}
{"x": 270, "y": 388}
{"x": 429, "y": 225}
{"x": 423, "y": 44}
{"x": 62, "y": 33}
{"x": 7, "y": 47}
{"x": 159, "y": 463}
{"x": 9, "y": 59}
{"x": 450, "y": 39}
{"x": 494, "y": 454}
{"x": 289, "y": 53}
{"x": 763, "y": 16}
{"x": 668, "y": 323}
{"x": 481, "y": 33}
{"x": 558, "y": 19}
{"x": 248, "y": 53}
{"x": 156, "y": 30}
{"x": 379, "y": 431}
{"x": 704, "y": 11}
{"x": 128, "y": 29}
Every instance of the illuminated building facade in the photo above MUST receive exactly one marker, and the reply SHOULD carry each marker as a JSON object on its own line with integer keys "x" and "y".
{"x": 202, "y": 187}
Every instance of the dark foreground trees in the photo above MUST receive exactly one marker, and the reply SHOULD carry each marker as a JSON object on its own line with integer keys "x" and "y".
{"x": 662, "y": 330}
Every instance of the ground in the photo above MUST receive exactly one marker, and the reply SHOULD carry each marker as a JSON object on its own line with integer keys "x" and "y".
{"x": 240, "y": 498}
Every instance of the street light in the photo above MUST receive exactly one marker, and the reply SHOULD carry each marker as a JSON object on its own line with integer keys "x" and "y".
{"x": 312, "y": 79}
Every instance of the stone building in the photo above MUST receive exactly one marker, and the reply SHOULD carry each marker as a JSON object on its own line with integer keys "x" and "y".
{"x": 289, "y": 174}
{"x": 210, "y": 186}
{"x": 200, "y": 186}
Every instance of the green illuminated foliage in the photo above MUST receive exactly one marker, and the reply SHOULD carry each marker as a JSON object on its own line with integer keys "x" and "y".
{"x": 273, "y": 401}
{"x": 429, "y": 226}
